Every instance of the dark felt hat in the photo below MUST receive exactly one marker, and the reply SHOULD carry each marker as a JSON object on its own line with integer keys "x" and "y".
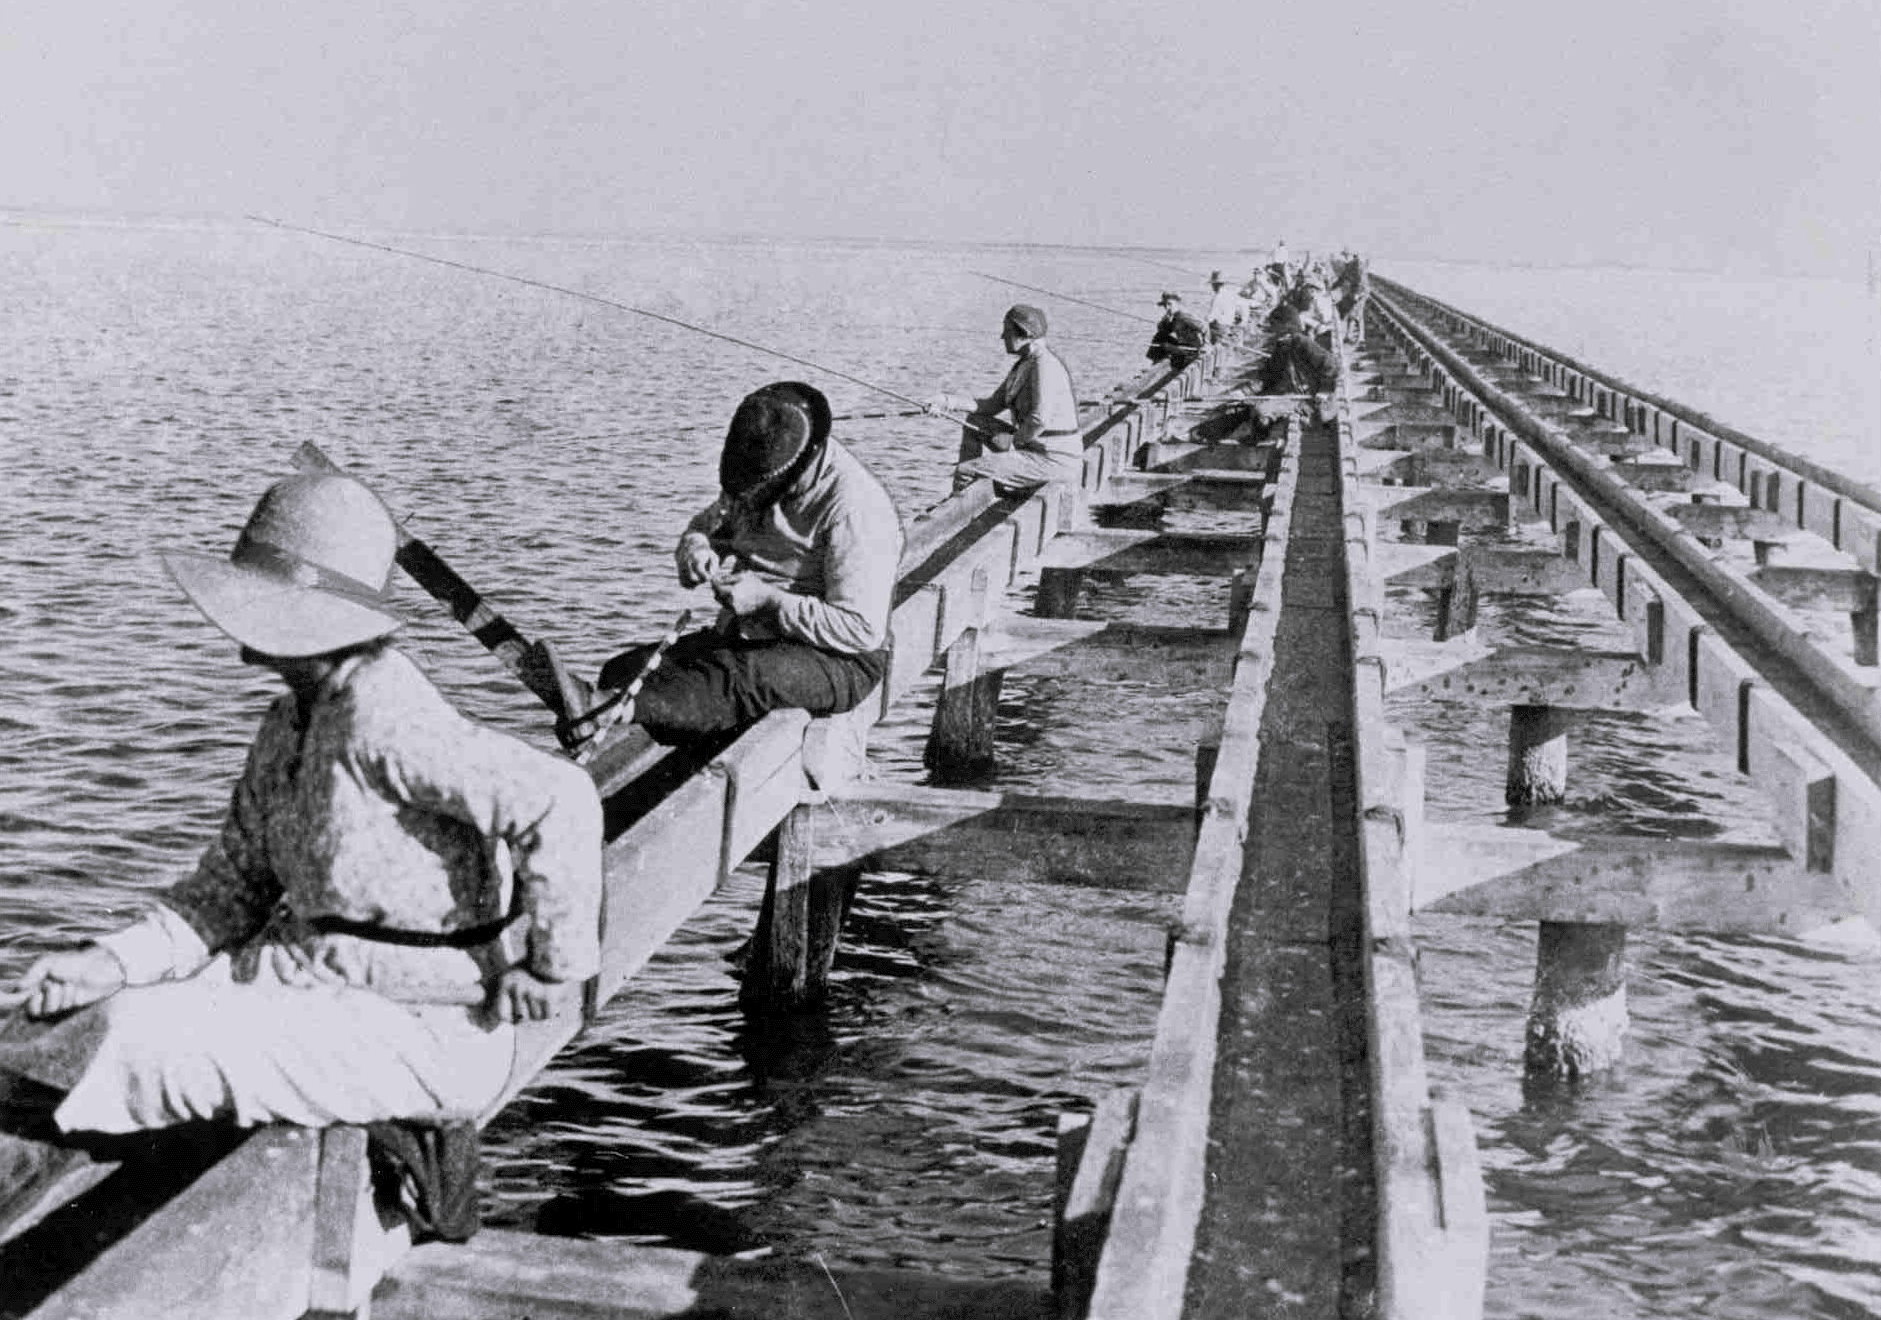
{"x": 1028, "y": 321}
{"x": 775, "y": 430}
{"x": 1169, "y": 296}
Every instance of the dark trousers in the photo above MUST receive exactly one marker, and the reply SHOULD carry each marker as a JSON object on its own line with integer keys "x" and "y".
{"x": 708, "y": 683}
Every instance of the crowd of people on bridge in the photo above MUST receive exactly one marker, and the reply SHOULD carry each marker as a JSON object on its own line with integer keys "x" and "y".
{"x": 394, "y": 887}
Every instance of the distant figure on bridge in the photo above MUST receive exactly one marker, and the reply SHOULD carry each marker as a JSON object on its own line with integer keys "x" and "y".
{"x": 1043, "y": 441}
{"x": 1279, "y": 258}
{"x": 345, "y": 951}
{"x": 1352, "y": 289}
{"x": 801, "y": 549}
{"x": 1179, "y": 338}
{"x": 1225, "y": 309}
{"x": 1295, "y": 363}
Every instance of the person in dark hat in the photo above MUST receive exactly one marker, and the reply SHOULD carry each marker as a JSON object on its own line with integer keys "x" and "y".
{"x": 1042, "y": 442}
{"x": 344, "y": 951}
{"x": 800, "y": 549}
{"x": 1179, "y": 337}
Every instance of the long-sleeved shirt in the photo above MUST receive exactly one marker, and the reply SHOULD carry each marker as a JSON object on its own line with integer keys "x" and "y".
{"x": 1179, "y": 338}
{"x": 1038, "y": 393}
{"x": 832, "y": 542}
{"x": 379, "y": 803}
{"x": 1225, "y": 307}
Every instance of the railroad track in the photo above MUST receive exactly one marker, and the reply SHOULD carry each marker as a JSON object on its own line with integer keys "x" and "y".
{"x": 1746, "y": 574}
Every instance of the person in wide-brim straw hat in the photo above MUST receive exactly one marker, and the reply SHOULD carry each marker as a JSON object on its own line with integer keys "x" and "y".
{"x": 343, "y": 952}
{"x": 1025, "y": 434}
{"x": 800, "y": 551}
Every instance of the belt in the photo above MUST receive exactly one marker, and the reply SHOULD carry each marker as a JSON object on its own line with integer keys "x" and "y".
{"x": 466, "y": 938}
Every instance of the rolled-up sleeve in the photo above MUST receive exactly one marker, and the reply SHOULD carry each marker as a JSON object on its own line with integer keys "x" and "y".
{"x": 861, "y": 552}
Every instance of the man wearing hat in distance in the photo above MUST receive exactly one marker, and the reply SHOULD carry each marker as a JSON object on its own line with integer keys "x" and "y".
{"x": 1224, "y": 309}
{"x": 1179, "y": 337}
{"x": 344, "y": 951}
{"x": 1043, "y": 442}
{"x": 801, "y": 550}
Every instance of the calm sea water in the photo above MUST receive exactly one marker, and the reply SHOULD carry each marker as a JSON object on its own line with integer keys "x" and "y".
{"x": 153, "y": 378}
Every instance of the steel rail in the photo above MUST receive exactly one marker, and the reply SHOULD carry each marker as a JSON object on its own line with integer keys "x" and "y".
{"x": 1806, "y": 723}
{"x": 1682, "y": 416}
{"x": 1729, "y": 601}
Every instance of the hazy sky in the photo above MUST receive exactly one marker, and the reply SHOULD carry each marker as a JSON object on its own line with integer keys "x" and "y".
{"x": 1717, "y": 133}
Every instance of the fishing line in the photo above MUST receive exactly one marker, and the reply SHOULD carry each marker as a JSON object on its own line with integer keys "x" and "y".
{"x": 604, "y": 302}
{"x": 1033, "y": 288}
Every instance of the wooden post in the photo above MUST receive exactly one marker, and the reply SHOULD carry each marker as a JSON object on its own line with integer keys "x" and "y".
{"x": 1577, "y": 1021}
{"x": 340, "y": 1289}
{"x": 960, "y": 743}
{"x": 798, "y": 925}
{"x": 1058, "y": 591}
{"x": 1090, "y": 1169}
{"x": 1457, "y": 605}
{"x": 1537, "y": 755}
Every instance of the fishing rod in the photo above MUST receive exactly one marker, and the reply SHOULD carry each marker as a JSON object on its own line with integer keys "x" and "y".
{"x": 606, "y": 302}
{"x": 1180, "y": 270}
{"x": 997, "y": 279}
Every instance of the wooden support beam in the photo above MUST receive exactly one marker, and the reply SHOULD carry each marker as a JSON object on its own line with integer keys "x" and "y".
{"x": 1831, "y": 590}
{"x": 960, "y": 743}
{"x": 1565, "y": 677}
{"x": 1448, "y": 468}
{"x": 1692, "y": 885}
{"x": 1474, "y": 508}
{"x": 1202, "y": 554}
{"x": 798, "y": 924}
{"x": 1093, "y": 649}
{"x": 1138, "y": 846}
{"x": 1740, "y": 521}
{"x": 506, "y": 1274}
{"x": 1661, "y": 478}
{"x": 341, "y": 1286}
{"x": 1090, "y": 1168}
{"x": 237, "y": 1244}
{"x": 1520, "y": 571}
{"x": 1200, "y": 489}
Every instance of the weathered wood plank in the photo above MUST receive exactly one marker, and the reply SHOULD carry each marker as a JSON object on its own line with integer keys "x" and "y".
{"x": 1089, "y": 649}
{"x": 1528, "y": 676}
{"x": 1010, "y": 837}
{"x": 1201, "y": 554}
{"x": 1672, "y": 884}
{"x": 1831, "y": 590}
{"x": 1474, "y": 509}
{"x": 237, "y": 1244}
{"x": 504, "y": 1275}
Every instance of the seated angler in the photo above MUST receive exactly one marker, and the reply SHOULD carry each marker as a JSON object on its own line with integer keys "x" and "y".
{"x": 1179, "y": 337}
{"x": 801, "y": 550}
{"x": 344, "y": 952}
{"x": 1042, "y": 442}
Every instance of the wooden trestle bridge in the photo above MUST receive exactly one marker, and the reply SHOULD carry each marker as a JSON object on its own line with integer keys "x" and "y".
{"x": 1284, "y": 1154}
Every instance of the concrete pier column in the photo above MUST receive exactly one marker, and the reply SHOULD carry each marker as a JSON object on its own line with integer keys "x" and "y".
{"x": 1537, "y": 755}
{"x": 1577, "y": 1019}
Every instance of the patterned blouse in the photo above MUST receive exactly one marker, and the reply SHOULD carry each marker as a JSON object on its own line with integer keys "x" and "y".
{"x": 381, "y": 804}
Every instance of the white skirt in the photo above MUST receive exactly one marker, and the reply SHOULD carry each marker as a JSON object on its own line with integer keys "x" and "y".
{"x": 259, "y": 1052}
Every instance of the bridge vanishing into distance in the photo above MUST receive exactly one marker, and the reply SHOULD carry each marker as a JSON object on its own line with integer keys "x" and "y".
{"x": 1284, "y": 1153}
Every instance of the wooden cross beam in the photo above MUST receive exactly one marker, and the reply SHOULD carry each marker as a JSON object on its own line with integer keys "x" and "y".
{"x": 1473, "y": 509}
{"x": 1201, "y": 554}
{"x": 1563, "y": 677}
{"x": 1688, "y": 885}
{"x": 962, "y": 833}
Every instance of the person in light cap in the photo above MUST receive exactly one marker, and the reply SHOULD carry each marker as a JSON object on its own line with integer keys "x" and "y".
{"x": 1042, "y": 442}
{"x": 345, "y": 951}
{"x": 1224, "y": 309}
{"x": 1179, "y": 337}
{"x": 800, "y": 549}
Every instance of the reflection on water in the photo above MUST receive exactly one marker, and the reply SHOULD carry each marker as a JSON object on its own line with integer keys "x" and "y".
{"x": 154, "y": 378}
